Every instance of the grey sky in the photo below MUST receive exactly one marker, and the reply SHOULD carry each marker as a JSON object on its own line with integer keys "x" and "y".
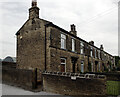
{"x": 95, "y": 20}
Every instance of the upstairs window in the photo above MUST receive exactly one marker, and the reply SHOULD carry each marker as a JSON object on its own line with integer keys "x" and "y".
{"x": 102, "y": 56}
{"x": 63, "y": 41}
{"x": 99, "y": 67}
{"x": 95, "y": 53}
{"x": 99, "y": 54}
{"x": 105, "y": 56}
{"x": 73, "y": 45}
{"x": 91, "y": 52}
{"x": 81, "y": 47}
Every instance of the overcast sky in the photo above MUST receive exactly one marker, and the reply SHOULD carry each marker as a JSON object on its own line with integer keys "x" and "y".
{"x": 95, "y": 20}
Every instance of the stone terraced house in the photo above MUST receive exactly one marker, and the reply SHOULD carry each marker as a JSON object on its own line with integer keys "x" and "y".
{"x": 44, "y": 45}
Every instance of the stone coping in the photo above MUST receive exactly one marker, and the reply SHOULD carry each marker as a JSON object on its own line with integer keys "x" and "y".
{"x": 75, "y": 75}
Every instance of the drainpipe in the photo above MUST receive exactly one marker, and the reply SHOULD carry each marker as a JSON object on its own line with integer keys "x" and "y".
{"x": 88, "y": 62}
{"x": 46, "y": 25}
{"x": 45, "y": 48}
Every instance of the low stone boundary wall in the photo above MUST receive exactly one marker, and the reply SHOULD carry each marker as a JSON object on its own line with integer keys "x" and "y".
{"x": 74, "y": 84}
{"x": 19, "y": 77}
{"x": 111, "y": 76}
{"x": 77, "y": 75}
{"x": 8, "y": 64}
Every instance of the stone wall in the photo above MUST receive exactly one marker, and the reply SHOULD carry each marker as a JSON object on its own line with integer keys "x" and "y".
{"x": 67, "y": 86}
{"x": 34, "y": 50}
{"x": 111, "y": 76}
{"x": 56, "y": 53}
{"x": 18, "y": 77}
{"x": 9, "y": 64}
{"x": 31, "y": 45}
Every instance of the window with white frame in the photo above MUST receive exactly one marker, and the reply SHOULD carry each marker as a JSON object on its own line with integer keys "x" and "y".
{"x": 82, "y": 66}
{"x": 63, "y": 64}
{"x": 99, "y": 66}
{"x": 81, "y": 47}
{"x": 107, "y": 57}
{"x": 63, "y": 41}
{"x": 95, "y": 53}
{"x": 73, "y": 45}
{"x": 91, "y": 52}
{"x": 92, "y": 67}
{"x": 104, "y": 56}
{"x": 99, "y": 54}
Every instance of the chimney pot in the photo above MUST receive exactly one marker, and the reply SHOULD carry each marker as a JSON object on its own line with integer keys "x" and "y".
{"x": 73, "y": 29}
{"x": 34, "y": 3}
{"x": 101, "y": 47}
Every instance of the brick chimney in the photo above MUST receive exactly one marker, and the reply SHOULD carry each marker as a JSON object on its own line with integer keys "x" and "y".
{"x": 34, "y": 10}
{"x": 101, "y": 47}
{"x": 73, "y": 30}
{"x": 91, "y": 42}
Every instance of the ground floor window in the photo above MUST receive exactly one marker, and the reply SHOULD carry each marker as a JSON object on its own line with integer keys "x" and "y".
{"x": 92, "y": 67}
{"x": 82, "y": 66}
{"x": 63, "y": 64}
{"x": 77, "y": 68}
{"x": 99, "y": 66}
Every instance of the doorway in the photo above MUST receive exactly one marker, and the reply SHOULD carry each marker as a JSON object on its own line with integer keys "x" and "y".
{"x": 96, "y": 66}
{"x": 74, "y": 61}
{"x": 82, "y": 66}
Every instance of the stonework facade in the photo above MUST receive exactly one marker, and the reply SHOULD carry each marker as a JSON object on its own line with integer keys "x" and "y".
{"x": 43, "y": 45}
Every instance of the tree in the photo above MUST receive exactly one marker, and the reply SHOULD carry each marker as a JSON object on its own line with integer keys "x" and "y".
{"x": 117, "y": 62}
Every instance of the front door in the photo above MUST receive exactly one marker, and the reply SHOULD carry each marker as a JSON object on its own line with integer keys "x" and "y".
{"x": 96, "y": 66}
{"x": 82, "y": 66}
{"x": 74, "y": 61}
{"x": 74, "y": 67}
{"x": 62, "y": 68}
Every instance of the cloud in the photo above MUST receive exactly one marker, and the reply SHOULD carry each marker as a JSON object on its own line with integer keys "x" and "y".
{"x": 95, "y": 20}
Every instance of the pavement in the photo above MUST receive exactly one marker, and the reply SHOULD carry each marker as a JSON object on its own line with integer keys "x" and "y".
{"x": 11, "y": 90}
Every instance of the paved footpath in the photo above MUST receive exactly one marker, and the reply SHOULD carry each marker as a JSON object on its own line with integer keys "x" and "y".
{"x": 11, "y": 90}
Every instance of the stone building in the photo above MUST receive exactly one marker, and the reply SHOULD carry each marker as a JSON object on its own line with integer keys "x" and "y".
{"x": 44, "y": 45}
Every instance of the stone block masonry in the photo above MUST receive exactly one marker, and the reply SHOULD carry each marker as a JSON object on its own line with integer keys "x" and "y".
{"x": 67, "y": 85}
{"x": 18, "y": 77}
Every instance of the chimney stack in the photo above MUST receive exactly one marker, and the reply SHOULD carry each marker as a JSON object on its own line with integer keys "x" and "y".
{"x": 101, "y": 47}
{"x": 73, "y": 30}
{"x": 91, "y": 42}
{"x": 34, "y": 10}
